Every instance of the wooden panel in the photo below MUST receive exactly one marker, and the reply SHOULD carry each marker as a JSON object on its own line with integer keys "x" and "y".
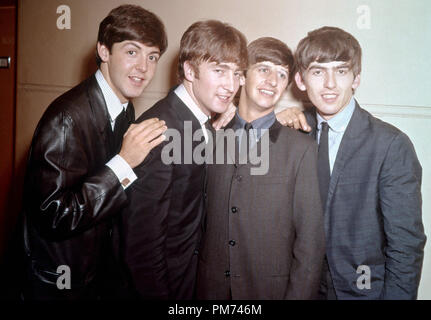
{"x": 7, "y": 119}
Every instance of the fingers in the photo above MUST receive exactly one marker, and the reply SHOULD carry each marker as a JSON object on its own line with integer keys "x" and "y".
{"x": 225, "y": 117}
{"x": 302, "y": 123}
{"x": 155, "y": 142}
{"x": 148, "y": 136}
{"x": 145, "y": 127}
{"x": 293, "y": 117}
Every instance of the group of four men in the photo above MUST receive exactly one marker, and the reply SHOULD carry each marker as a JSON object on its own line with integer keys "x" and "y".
{"x": 102, "y": 199}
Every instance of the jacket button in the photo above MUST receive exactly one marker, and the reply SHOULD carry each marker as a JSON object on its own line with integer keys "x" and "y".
{"x": 234, "y": 209}
{"x": 196, "y": 252}
{"x": 239, "y": 177}
{"x": 227, "y": 273}
{"x": 232, "y": 242}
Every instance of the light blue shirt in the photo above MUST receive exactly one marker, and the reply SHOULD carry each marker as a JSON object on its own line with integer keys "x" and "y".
{"x": 260, "y": 126}
{"x": 337, "y": 127}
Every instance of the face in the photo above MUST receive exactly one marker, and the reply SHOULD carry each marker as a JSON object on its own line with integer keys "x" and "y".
{"x": 129, "y": 67}
{"x": 264, "y": 84}
{"x": 214, "y": 88}
{"x": 329, "y": 86}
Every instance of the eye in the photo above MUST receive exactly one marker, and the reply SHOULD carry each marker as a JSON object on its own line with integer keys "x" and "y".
{"x": 282, "y": 75}
{"x": 131, "y": 53}
{"x": 153, "y": 58}
{"x": 238, "y": 74}
{"x": 263, "y": 69}
{"x": 342, "y": 71}
{"x": 317, "y": 72}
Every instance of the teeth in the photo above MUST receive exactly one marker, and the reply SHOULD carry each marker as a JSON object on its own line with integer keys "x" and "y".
{"x": 224, "y": 97}
{"x": 267, "y": 92}
{"x": 137, "y": 79}
{"x": 329, "y": 96}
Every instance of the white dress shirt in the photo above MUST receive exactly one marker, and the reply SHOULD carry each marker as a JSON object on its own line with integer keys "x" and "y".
{"x": 185, "y": 97}
{"x": 121, "y": 168}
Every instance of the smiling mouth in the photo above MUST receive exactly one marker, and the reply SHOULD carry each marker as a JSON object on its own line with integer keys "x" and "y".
{"x": 329, "y": 97}
{"x": 267, "y": 92}
{"x": 224, "y": 98}
{"x": 137, "y": 80}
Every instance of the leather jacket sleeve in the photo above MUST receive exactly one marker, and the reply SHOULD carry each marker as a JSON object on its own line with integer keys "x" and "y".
{"x": 68, "y": 186}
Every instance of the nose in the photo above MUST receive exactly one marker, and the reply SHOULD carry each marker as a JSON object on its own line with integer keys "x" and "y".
{"x": 271, "y": 79}
{"x": 330, "y": 81}
{"x": 142, "y": 64}
{"x": 229, "y": 82}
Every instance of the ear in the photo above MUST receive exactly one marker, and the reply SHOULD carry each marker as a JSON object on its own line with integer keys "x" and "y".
{"x": 356, "y": 82}
{"x": 103, "y": 52}
{"x": 189, "y": 71}
{"x": 242, "y": 80}
{"x": 299, "y": 82}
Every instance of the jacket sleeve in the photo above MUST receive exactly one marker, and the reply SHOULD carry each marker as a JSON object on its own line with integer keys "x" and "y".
{"x": 309, "y": 247}
{"x": 65, "y": 192}
{"x": 145, "y": 227}
{"x": 401, "y": 206}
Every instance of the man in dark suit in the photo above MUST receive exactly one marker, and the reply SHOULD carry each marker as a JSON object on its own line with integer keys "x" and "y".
{"x": 263, "y": 237}
{"x": 369, "y": 175}
{"x": 161, "y": 228}
{"x": 79, "y": 167}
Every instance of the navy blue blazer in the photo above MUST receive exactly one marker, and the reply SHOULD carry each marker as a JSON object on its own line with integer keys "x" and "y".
{"x": 373, "y": 213}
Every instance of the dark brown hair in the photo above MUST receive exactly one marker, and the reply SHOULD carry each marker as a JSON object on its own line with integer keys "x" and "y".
{"x": 131, "y": 22}
{"x": 212, "y": 41}
{"x": 328, "y": 44}
{"x": 272, "y": 50}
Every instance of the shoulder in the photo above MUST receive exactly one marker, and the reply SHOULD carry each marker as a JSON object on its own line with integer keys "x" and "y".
{"x": 296, "y": 138}
{"x": 161, "y": 109}
{"x": 381, "y": 131}
{"x": 70, "y": 108}
{"x": 72, "y": 101}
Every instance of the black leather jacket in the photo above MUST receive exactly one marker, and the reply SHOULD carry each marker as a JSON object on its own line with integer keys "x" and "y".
{"x": 70, "y": 194}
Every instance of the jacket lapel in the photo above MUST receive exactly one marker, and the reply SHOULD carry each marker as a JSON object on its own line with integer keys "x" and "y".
{"x": 101, "y": 116}
{"x": 352, "y": 140}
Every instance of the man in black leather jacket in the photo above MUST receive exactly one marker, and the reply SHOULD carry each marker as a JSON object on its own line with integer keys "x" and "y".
{"x": 80, "y": 165}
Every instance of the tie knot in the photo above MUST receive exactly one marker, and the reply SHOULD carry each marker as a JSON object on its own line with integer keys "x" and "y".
{"x": 325, "y": 126}
{"x": 248, "y": 126}
{"x": 130, "y": 114}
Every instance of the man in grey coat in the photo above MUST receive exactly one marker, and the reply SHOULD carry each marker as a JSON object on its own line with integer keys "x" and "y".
{"x": 263, "y": 236}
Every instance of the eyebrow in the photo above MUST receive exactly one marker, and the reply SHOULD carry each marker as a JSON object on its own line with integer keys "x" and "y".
{"x": 139, "y": 47}
{"x": 341, "y": 66}
{"x": 276, "y": 66}
{"x": 224, "y": 65}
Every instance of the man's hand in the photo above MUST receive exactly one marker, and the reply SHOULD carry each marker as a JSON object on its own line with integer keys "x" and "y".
{"x": 140, "y": 139}
{"x": 293, "y": 117}
{"x": 225, "y": 117}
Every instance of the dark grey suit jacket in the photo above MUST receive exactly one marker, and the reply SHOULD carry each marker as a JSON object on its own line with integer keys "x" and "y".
{"x": 373, "y": 211}
{"x": 264, "y": 235}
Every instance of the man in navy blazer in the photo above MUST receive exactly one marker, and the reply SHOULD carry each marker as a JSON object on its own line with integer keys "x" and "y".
{"x": 161, "y": 228}
{"x": 372, "y": 213}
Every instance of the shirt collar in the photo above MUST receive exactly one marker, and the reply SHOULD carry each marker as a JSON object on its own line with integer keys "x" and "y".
{"x": 113, "y": 103}
{"x": 339, "y": 122}
{"x": 185, "y": 97}
{"x": 264, "y": 122}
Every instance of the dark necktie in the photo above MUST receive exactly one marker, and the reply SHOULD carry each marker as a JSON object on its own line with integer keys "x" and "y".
{"x": 122, "y": 123}
{"x": 246, "y": 140}
{"x": 323, "y": 164}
